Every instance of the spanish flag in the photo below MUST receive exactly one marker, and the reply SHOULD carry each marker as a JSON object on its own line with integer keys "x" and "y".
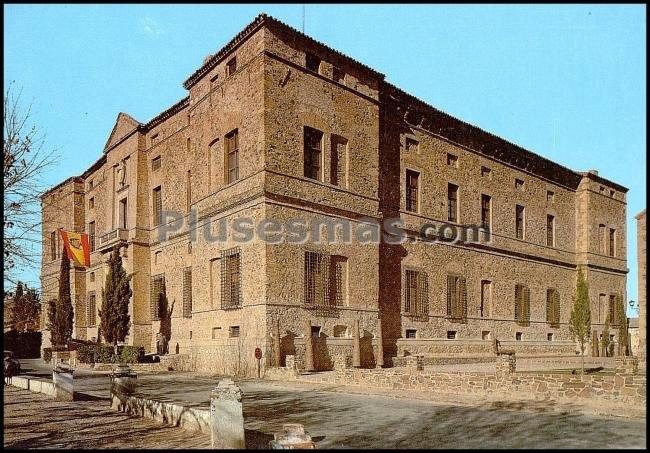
{"x": 77, "y": 246}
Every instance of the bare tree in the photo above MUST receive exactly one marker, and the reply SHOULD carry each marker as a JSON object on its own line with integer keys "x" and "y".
{"x": 25, "y": 160}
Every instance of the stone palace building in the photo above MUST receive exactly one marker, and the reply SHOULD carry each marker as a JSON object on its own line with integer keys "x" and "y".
{"x": 279, "y": 126}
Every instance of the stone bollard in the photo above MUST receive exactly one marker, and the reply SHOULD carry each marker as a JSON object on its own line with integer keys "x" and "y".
{"x": 226, "y": 415}
{"x": 63, "y": 379}
{"x": 291, "y": 437}
{"x": 506, "y": 363}
{"x": 342, "y": 361}
{"x": 627, "y": 365}
{"x": 123, "y": 380}
{"x": 415, "y": 363}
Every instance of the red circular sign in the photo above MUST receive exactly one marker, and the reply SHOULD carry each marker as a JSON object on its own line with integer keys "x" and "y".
{"x": 258, "y": 353}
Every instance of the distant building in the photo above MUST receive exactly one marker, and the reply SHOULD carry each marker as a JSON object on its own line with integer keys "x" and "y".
{"x": 278, "y": 126}
{"x": 633, "y": 330}
{"x": 642, "y": 266}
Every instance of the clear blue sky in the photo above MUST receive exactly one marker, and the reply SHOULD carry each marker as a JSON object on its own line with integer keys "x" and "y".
{"x": 567, "y": 82}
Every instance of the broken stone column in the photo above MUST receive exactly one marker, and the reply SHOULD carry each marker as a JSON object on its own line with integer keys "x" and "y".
{"x": 506, "y": 363}
{"x": 415, "y": 363}
{"x": 292, "y": 436}
{"x": 356, "y": 345}
{"x": 123, "y": 380}
{"x": 309, "y": 347}
{"x": 380, "y": 345}
{"x": 63, "y": 379}
{"x": 226, "y": 415}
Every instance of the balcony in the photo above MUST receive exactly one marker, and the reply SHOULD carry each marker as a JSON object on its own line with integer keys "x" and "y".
{"x": 111, "y": 238}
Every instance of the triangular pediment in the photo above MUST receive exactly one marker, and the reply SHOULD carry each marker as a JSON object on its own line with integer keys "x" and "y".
{"x": 124, "y": 125}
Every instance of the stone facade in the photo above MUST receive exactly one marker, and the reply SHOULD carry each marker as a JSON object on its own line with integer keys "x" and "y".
{"x": 260, "y": 94}
{"x": 642, "y": 263}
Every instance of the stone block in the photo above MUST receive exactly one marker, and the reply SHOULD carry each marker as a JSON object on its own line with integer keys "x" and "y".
{"x": 63, "y": 379}
{"x": 226, "y": 413}
{"x": 292, "y": 436}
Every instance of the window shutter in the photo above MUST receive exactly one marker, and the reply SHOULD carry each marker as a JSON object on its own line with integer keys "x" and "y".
{"x": 187, "y": 292}
{"x": 423, "y": 294}
{"x": 230, "y": 278}
{"x": 323, "y": 274}
{"x": 462, "y": 293}
{"x": 549, "y": 306}
{"x": 526, "y": 305}
{"x": 157, "y": 285}
{"x": 451, "y": 287}
{"x": 556, "y": 306}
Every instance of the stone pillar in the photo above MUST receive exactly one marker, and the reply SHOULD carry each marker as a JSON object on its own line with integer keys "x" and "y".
{"x": 380, "y": 345}
{"x": 506, "y": 364}
{"x": 292, "y": 436}
{"x": 356, "y": 345}
{"x": 414, "y": 362}
{"x": 627, "y": 365}
{"x": 123, "y": 381}
{"x": 290, "y": 362}
{"x": 226, "y": 415}
{"x": 277, "y": 344}
{"x": 309, "y": 347}
{"x": 63, "y": 379}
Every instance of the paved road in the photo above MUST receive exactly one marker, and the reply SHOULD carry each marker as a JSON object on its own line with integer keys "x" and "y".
{"x": 33, "y": 420}
{"x": 339, "y": 418}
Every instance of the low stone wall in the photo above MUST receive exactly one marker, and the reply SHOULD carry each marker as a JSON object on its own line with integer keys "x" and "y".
{"x": 629, "y": 388}
{"x": 477, "y": 349}
{"x": 34, "y": 385}
{"x": 168, "y": 413}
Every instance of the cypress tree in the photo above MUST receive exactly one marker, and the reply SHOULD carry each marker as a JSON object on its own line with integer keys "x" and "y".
{"x": 604, "y": 341}
{"x": 622, "y": 325}
{"x": 116, "y": 294}
{"x": 580, "y": 321}
{"x": 64, "y": 312}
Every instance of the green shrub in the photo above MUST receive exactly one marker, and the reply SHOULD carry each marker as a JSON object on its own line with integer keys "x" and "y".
{"x": 104, "y": 354}
{"x": 131, "y": 354}
{"x": 47, "y": 354}
{"x": 86, "y": 353}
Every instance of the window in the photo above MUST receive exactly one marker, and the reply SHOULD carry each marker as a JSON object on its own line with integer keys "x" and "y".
{"x": 611, "y": 193}
{"x": 613, "y": 319}
{"x": 486, "y": 335}
{"x": 338, "y": 161}
{"x": 315, "y": 331}
{"x": 338, "y": 75}
{"x": 91, "y": 235}
{"x": 233, "y": 332}
{"x": 602, "y": 189}
{"x": 91, "y": 203}
{"x": 486, "y": 172}
{"x": 122, "y": 218}
{"x": 53, "y": 245}
{"x": 416, "y": 293}
{"x": 91, "y": 184}
{"x": 519, "y": 222}
{"x": 316, "y": 279}
{"x": 410, "y": 333}
{"x": 232, "y": 157}
{"x": 601, "y": 239}
{"x": 550, "y": 230}
{"x": 92, "y": 277}
{"x": 157, "y": 206}
{"x": 91, "y": 314}
{"x": 550, "y": 336}
{"x": 522, "y": 304}
{"x": 156, "y": 163}
{"x": 602, "y": 298}
{"x": 231, "y": 66}
{"x": 519, "y": 184}
{"x": 187, "y": 292}
{"x": 452, "y": 160}
{"x": 412, "y": 182}
{"x": 157, "y": 288}
{"x": 518, "y": 336}
{"x": 452, "y": 202}
{"x": 215, "y": 332}
{"x": 230, "y": 278}
{"x": 312, "y": 62}
{"x": 312, "y": 153}
{"x": 451, "y": 335}
{"x": 486, "y": 212}
{"x": 612, "y": 242}
{"x": 411, "y": 145}
{"x": 550, "y": 196}
{"x": 553, "y": 307}
{"x": 190, "y": 335}
{"x": 486, "y": 299}
{"x": 340, "y": 331}
{"x": 456, "y": 298}
{"x": 338, "y": 280}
